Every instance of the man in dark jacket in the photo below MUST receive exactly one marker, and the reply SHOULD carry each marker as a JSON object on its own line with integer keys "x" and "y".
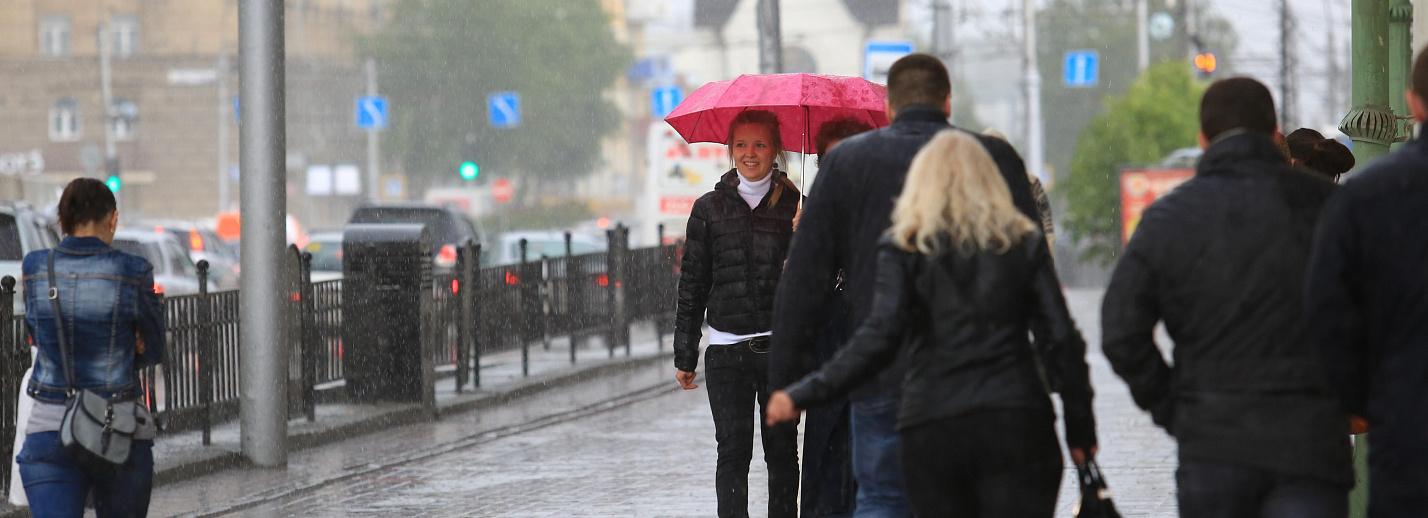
{"x": 1221, "y": 261}
{"x": 848, "y": 209}
{"x": 1368, "y": 316}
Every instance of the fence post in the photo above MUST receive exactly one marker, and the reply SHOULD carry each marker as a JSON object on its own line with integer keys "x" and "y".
{"x": 622, "y": 297}
{"x": 659, "y": 289}
{"x": 308, "y": 304}
{"x": 526, "y": 319}
{"x": 572, "y": 306}
{"x": 546, "y": 287}
{"x": 464, "y": 329}
{"x": 475, "y": 302}
{"x": 612, "y": 252}
{"x": 205, "y": 353}
{"x": 9, "y": 385}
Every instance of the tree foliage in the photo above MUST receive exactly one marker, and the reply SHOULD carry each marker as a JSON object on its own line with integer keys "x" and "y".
{"x": 440, "y": 59}
{"x": 1158, "y": 113}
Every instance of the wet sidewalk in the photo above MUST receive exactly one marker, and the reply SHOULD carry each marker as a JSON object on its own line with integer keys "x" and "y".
{"x": 182, "y": 456}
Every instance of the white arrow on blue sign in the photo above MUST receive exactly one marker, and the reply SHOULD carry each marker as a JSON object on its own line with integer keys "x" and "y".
{"x": 372, "y": 112}
{"x": 1081, "y": 69}
{"x": 504, "y": 109}
{"x": 664, "y": 99}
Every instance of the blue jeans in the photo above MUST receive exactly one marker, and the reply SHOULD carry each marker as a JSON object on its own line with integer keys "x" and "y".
{"x": 1220, "y": 490}
{"x": 57, "y": 488}
{"x": 877, "y": 459}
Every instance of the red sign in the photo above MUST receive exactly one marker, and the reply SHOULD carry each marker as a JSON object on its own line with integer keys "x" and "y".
{"x": 502, "y": 191}
{"x": 1140, "y": 188}
{"x": 677, "y": 205}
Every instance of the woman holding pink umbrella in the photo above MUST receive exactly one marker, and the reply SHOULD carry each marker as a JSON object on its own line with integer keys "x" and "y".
{"x": 735, "y": 244}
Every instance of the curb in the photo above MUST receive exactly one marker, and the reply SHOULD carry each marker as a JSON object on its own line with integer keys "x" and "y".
{"x": 222, "y": 458}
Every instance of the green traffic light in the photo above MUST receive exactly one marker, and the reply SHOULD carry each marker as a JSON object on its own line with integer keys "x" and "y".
{"x": 469, "y": 170}
{"x": 113, "y": 183}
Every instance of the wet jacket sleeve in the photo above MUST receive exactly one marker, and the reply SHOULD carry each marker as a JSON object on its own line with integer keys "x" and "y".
{"x": 1333, "y": 305}
{"x": 875, "y": 344}
{"x": 1129, "y": 314}
{"x": 151, "y": 321}
{"x": 808, "y": 277}
{"x": 1064, "y": 351}
{"x": 696, "y": 274}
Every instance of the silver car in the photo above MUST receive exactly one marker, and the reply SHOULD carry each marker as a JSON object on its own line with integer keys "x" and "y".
{"x": 174, "y": 272}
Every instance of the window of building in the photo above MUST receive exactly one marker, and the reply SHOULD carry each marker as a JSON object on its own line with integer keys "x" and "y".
{"x": 54, "y": 35}
{"x": 64, "y": 121}
{"x": 122, "y": 117}
{"x": 124, "y": 30}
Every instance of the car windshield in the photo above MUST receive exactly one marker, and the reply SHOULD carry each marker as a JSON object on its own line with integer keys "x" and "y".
{"x": 145, "y": 250}
{"x": 10, "y": 247}
{"x": 326, "y": 255}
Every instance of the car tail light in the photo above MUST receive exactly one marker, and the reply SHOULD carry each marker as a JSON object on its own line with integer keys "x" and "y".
{"x": 512, "y": 278}
{"x": 455, "y": 286}
{"x": 602, "y": 280}
{"x": 158, "y": 289}
{"x": 195, "y": 241}
{"x": 446, "y": 258}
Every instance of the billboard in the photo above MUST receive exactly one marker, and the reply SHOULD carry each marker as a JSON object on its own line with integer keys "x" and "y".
{"x": 679, "y": 173}
{"x": 1140, "y": 188}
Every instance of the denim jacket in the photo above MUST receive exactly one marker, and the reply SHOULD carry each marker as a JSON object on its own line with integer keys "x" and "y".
{"x": 107, "y": 299}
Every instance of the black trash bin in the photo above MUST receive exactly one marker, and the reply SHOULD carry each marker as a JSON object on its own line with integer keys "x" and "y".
{"x": 385, "y": 294}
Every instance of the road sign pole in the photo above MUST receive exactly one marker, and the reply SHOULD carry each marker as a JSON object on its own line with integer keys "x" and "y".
{"x": 374, "y": 176}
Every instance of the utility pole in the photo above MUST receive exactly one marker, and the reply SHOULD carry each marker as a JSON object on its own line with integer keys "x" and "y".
{"x": 770, "y": 38}
{"x": 1192, "y": 30}
{"x": 1332, "y": 103}
{"x": 1288, "y": 63}
{"x": 263, "y": 388}
{"x": 1142, "y": 35}
{"x": 944, "y": 39}
{"x": 106, "y": 88}
{"x": 224, "y": 182}
{"x": 374, "y": 181}
{"x": 1033, "y": 92}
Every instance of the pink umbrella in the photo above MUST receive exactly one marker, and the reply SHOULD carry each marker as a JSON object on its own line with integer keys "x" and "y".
{"x": 802, "y": 103}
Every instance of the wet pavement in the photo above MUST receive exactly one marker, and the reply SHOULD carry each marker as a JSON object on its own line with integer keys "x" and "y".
{"x": 629, "y": 446}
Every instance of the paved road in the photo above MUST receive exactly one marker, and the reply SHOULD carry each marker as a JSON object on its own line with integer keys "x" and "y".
{"x": 648, "y": 455}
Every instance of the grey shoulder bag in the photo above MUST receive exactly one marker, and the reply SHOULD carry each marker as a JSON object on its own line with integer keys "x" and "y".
{"x": 97, "y": 433}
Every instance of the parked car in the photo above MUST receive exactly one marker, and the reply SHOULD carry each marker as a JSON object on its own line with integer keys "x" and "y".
{"x": 201, "y": 244}
{"x": 449, "y": 228}
{"x": 23, "y": 229}
{"x": 174, "y": 271}
{"x": 326, "y": 250}
{"x": 541, "y": 244}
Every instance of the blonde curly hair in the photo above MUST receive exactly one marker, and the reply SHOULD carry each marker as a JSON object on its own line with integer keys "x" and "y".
{"x": 954, "y": 192}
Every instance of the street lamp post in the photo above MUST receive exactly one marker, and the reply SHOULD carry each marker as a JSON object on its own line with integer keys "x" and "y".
{"x": 1370, "y": 122}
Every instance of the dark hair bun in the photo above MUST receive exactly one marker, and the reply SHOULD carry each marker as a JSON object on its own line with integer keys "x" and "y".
{"x": 1329, "y": 157}
{"x": 85, "y": 200}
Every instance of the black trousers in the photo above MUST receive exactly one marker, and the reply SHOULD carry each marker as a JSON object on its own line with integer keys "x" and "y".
{"x": 1207, "y": 489}
{"x": 736, "y": 378}
{"x": 1003, "y": 463}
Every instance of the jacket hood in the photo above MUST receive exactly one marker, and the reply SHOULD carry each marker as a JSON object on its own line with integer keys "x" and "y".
{"x": 1228, "y": 152}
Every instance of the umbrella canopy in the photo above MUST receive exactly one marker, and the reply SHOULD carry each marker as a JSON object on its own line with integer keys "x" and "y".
{"x": 802, "y": 102}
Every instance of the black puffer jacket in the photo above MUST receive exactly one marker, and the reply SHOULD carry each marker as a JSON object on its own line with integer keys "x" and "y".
{"x": 963, "y": 322}
{"x": 733, "y": 258}
{"x": 1221, "y": 261}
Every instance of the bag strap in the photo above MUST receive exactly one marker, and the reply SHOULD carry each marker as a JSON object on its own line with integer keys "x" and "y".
{"x": 65, "y": 353}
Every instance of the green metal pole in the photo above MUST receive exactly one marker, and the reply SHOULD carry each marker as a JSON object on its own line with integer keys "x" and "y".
{"x": 1370, "y": 123}
{"x": 1400, "y": 59}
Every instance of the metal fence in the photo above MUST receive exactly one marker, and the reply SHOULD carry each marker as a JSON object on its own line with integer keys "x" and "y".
{"x": 474, "y": 311}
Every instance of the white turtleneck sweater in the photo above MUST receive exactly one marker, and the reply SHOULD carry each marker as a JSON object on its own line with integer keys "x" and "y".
{"x": 752, "y": 193}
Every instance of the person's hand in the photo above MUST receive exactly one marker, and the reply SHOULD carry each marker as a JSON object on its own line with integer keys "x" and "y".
{"x": 139, "y": 344}
{"x": 796, "y": 216}
{"x": 780, "y": 409}
{"x": 1358, "y": 425}
{"x": 685, "y": 379}
{"x": 1078, "y": 455}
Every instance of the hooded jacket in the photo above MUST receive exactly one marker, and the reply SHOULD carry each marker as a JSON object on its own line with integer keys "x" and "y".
{"x": 733, "y": 258}
{"x": 1221, "y": 260}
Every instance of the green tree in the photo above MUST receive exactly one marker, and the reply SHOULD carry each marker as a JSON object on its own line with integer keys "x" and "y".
{"x": 1158, "y": 113}
{"x": 440, "y": 59}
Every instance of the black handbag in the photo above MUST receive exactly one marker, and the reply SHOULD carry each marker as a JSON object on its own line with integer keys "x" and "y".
{"x": 97, "y": 432}
{"x": 1095, "y": 497}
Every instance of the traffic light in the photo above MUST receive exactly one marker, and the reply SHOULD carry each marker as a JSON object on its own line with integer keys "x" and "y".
{"x": 1205, "y": 64}
{"x": 469, "y": 169}
{"x": 111, "y": 166}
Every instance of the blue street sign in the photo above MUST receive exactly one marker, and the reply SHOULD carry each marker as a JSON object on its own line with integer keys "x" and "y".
{"x": 664, "y": 99}
{"x": 878, "y": 57}
{"x": 1081, "y": 68}
{"x": 504, "y": 109}
{"x": 372, "y": 112}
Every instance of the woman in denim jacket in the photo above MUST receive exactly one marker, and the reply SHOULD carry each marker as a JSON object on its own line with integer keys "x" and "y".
{"x": 114, "y": 323}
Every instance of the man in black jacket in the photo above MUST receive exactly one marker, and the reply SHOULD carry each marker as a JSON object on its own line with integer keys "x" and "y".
{"x": 1368, "y": 316}
{"x": 1221, "y": 261}
{"x": 848, "y": 209}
